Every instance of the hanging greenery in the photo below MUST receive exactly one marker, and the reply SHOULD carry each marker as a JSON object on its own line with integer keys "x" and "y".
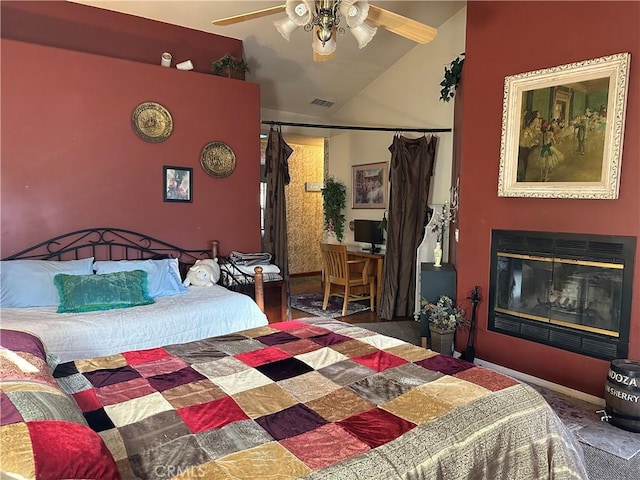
{"x": 334, "y": 195}
{"x": 452, "y": 76}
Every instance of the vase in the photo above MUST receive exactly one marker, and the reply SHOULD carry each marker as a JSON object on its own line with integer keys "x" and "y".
{"x": 442, "y": 340}
{"x": 437, "y": 253}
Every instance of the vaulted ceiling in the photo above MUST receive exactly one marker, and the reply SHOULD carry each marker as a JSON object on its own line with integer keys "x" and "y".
{"x": 289, "y": 78}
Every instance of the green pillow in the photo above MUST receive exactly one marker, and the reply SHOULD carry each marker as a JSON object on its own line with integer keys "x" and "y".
{"x": 87, "y": 293}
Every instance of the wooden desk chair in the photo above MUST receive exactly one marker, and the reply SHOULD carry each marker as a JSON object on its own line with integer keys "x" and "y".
{"x": 346, "y": 278}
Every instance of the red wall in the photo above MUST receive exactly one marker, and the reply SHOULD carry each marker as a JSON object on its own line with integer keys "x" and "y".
{"x": 71, "y": 160}
{"x": 94, "y": 30}
{"x": 506, "y": 38}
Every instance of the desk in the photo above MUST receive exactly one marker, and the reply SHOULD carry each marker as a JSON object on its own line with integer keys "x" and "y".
{"x": 375, "y": 268}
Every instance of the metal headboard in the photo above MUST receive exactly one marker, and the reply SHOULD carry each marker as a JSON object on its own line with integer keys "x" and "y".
{"x": 109, "y": 244}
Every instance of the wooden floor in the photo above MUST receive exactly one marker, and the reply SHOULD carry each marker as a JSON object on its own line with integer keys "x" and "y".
{"x": 312, "y": 283}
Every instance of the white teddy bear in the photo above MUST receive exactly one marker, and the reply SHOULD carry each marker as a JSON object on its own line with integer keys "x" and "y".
{"x": 203, "y": 273}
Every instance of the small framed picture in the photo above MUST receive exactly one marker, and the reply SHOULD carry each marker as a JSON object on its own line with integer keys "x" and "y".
{"x": 178, "y": 184}
{"x": 369, "y": 185}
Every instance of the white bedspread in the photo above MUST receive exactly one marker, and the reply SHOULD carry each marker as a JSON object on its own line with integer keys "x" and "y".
{"x": 202, "y": 312}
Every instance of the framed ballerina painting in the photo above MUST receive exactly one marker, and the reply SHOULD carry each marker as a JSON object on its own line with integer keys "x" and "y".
{"x": 562, "y": 130}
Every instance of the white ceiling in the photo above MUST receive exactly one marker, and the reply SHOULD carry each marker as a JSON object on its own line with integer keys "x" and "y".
{"x": 289, "y": 79}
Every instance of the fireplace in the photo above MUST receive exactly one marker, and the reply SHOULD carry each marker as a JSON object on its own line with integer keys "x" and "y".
{"x": 569, "y": 291}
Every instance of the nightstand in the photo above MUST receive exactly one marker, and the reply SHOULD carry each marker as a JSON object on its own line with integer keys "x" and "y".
{"x": 275, "y": 300}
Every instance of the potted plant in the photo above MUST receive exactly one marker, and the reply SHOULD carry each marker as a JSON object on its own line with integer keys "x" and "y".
{"x": 230, "y": 67}
{"x": 444, "y": 319}
{"x": 452, "y": 76}
{"x": 334, "y": 195}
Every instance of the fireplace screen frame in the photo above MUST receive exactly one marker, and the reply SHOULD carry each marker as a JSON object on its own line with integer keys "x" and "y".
{"x": 600, "y": 251}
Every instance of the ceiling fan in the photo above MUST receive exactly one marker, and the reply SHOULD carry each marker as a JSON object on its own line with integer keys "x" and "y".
{"x": 324, "y": 18}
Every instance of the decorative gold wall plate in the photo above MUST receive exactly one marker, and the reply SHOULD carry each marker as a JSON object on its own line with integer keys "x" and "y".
{"x": 217, "y": 159}
{"x": 152, "y": 122}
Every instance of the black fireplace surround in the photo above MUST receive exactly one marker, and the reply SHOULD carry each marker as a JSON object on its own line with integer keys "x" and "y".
{"x": 570, "y": 291}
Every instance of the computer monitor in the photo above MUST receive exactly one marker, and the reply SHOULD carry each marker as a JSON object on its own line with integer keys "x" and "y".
{"x": 368, "y": 231}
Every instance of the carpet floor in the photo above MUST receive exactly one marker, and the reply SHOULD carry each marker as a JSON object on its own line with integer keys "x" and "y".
{"x": 407, "y": 330}
{"x": 609, "y": 452}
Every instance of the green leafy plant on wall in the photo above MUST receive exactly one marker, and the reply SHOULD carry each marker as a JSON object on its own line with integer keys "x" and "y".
{"x": 334, "y": 196}
{"x": 230, "y": 62}
{"x": 231, "y": 67}
{"x": 452, "y": 76}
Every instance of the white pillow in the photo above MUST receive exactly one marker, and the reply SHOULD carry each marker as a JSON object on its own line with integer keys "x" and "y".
{"x": 163, "y": 276}
{"x": 29, "y": 283}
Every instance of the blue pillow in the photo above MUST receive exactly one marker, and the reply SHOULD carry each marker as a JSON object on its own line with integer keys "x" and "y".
{"x": 87, "y": 293}
{"x": 163, "y": 275}
{"x": 29, "y": 283}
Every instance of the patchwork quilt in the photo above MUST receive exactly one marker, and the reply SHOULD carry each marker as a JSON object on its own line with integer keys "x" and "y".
{"x": 315, "y": 399}
{"x": 43, "y": 434}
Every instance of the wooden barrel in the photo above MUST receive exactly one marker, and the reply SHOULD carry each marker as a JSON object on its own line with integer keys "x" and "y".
{"x": 622, "y": 394}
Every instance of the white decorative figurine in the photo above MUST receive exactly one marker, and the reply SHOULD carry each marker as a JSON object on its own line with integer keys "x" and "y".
{"x": 203, "y": 273}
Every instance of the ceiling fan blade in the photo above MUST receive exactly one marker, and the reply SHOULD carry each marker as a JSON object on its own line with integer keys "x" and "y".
{"x": 403, "y": 26}
{"x": 249, "y": 16}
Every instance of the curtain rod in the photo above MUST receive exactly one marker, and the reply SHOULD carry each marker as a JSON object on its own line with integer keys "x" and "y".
{"x": 353, "y": 127}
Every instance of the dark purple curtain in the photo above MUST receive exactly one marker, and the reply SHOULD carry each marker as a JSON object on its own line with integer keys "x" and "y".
{"x": 275, "y": 212}
{"x": 410, "y": 175}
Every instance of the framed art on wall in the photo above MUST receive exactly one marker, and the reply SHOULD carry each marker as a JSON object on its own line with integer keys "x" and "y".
{"x": 369, "y": 185}
{"x": 178, "y": 184}
{"x": 562, "y": 130}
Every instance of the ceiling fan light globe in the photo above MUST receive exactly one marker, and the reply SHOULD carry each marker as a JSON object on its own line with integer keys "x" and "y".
{"x": 326, "y": 48}
{"x": 345, "y": 7}
{"x": 285, "y": 27}
{"x": 355, "y": 12}
{"x": 299, "y": 11}
{"x": 363, "y": 34}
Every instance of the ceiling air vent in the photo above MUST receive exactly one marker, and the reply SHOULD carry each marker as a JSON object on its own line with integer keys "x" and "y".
{"x": 322, "y": 103}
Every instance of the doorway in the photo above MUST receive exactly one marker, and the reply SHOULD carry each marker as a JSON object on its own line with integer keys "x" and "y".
{"x": 304, "y": 202}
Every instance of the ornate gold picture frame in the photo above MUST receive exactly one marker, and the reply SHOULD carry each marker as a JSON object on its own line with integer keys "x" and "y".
{"x": 562, "y": 130}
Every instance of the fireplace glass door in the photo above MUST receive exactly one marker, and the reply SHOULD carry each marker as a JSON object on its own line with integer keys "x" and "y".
{"x": 583, "y": 295}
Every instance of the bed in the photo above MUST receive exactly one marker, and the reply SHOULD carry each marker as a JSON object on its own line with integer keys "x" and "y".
{"x": 310, "y": 398}
{"x": 123, "y": 394}
{"x": 178, "y": 314}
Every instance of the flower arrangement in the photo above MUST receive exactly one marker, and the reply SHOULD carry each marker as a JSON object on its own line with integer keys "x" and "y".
{"x": 441, "y": 221}
{"x": 444, "y": 315}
